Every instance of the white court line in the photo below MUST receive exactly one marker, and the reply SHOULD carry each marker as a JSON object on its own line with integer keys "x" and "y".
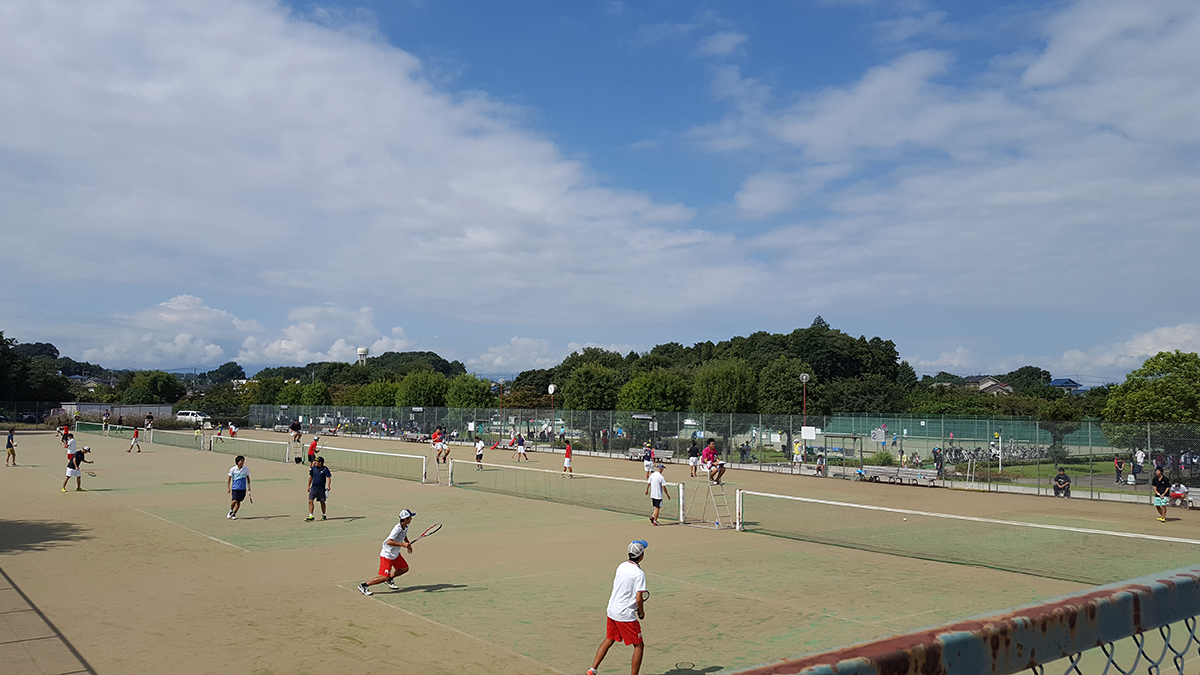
{"x": 219, "y": 541}
{"x": 453, "y": 629}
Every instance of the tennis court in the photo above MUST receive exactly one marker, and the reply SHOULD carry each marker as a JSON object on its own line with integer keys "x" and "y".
{"x": 143, "y": 569}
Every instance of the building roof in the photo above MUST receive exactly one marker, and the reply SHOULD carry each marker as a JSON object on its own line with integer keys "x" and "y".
{"x": 1064, "y": 382}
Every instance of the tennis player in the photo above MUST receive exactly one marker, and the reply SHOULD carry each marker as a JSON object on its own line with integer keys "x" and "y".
{"x": 10, "y": 448}
{"x": 320, "y": 482}
{"x": 134, "y": 441}
{"x": 567, "y": 470}
{"x": 626, "y": 605}
{"x": 479, "y": 453}
{"x": 521, "y": 448}
{"x": 656, "y": 487}
{"x": 312, "y": 450}
{"x": 237, "y": 486}
{"x": 74, "y": 465}
{"x": 391, "y": 563}
{"x": 694, "y": 457}
{"x": 647, "y": 459}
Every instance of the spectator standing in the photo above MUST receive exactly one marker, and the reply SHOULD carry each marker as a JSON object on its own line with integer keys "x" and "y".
{"x": 694, "y": 457}
{"x": 1161, "y": 487}
{"x": 10, "y": 448}
{"x": 1139, "y": 460}
{"x": 1119, "y": 466}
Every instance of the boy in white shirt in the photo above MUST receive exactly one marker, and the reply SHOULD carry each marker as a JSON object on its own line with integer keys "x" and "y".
{"x": 391, "y": 563}
{"x": 656, "y": 487}
{"x": 478, "y": 454}
{"x": 626, "y": 605}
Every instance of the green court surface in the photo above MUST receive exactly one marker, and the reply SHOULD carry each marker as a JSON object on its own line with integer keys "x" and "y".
{"x": 509, "y": 585}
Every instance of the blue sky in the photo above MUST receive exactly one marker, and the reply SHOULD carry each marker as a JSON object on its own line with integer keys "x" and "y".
{"x": 184, "y": 183}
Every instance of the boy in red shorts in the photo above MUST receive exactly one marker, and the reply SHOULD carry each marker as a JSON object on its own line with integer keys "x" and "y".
{"x": 391, "y": 563}
{"x": 625, "y": 606}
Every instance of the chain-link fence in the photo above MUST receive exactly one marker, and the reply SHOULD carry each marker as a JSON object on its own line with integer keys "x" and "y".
{"x": 1006, "y": 454}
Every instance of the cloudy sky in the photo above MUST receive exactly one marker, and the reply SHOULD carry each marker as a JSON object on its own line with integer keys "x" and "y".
{"x": 187, "y": 182}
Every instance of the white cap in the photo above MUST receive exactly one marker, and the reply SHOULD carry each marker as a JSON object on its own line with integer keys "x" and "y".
{"x": 637, "y": 547}
{"x": 407, "y": 514}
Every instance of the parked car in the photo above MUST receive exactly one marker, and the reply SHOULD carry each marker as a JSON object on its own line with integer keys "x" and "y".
{"x": 192, "y": 416}
{"x": 29, "y": 417}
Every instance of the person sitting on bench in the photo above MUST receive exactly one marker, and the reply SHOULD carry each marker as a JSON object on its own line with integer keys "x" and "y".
{"x": 1062, "y": 483}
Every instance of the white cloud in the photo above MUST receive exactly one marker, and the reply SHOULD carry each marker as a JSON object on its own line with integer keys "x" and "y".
{"x": 721, "y": 43}
{"x": 326, "y": 333}
{"x": 948, "y": 361}
{"x": 517, "y": 355}
{"x": 1112, "y": 362}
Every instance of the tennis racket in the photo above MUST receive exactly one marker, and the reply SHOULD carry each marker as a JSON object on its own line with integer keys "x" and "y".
{"x": 90, "y": 473}
{"x": 432, "y": 529}
{"x": 249, "y": 496}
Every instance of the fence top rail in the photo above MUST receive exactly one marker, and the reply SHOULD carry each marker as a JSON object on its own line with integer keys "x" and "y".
{"x": 1019, "y": 638}
{"x": 976, "y": 519}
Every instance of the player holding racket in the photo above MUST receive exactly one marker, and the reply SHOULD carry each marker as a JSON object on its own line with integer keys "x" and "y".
{"x": 391, "y": 563}
{"x": 625, "y": 606}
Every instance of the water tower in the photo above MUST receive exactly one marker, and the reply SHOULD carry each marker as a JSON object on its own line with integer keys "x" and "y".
{"x": 362, "y": 355}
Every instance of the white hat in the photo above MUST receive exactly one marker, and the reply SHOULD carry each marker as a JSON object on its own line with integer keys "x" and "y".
{"x": 637, "y": 547}
{"x": 407, "y": 514}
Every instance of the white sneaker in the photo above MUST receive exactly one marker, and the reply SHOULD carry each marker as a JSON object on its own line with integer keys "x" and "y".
{"x": 362, "y": 588}
{"x": 229, "y": 515}
{"x": 392, "y": 585}
{"x": 233, "y": 516}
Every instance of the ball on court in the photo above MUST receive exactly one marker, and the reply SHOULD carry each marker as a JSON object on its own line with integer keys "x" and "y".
{"x": 906, "y": 520}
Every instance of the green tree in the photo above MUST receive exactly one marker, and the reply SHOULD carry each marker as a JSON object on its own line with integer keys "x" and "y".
{"x": 225, "y": 373}
{"x": 1031, "y": 381}
{"x": 380, "y": 394}
{"x": 422, "y": 388}
{"x": 468, "y": 391}
{"x": 1061, "y": 418}
{"x": 780, "y": 391}
{"x": 316, "y": 393}
{"x": 266, "y": 389}
{"x": 1165, "y": 389}
{"x": 153, "y": 386}
{"x": 291, "y": 394}
{"x": 724, "y": 387}
{"x": 592, "y": 386}
{"x": 866, "y": 393}
{"x": 653, "y": 391}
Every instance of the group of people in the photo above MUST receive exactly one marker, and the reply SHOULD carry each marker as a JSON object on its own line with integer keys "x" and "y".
{"x": 707, "y": 460}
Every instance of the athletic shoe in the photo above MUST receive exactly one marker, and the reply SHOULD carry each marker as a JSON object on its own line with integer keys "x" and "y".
{"x": 82, "y": 490}
{"x": 64, "y": 489}
{"x": 309, "y": 518}
{"x": 1162, "y": 520}
{"x": 362, "y": 588}
{"x": 392, "y": 585}
{"x": 233, "y": 516}
{"x": 591, "y": 671}
{"x": 228, "y": 515}
{"x": 323, "y": 517}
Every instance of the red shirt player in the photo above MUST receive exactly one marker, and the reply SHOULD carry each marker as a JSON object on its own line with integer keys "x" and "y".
{"x": 567, "y": 461}
{"x": 312, "y": 450}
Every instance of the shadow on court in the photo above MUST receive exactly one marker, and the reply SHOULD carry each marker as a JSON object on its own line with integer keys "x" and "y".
{"x": 37, "y": 535}
{"x": 349, "y": 518}
{"x": 434, "y": 588}
{"x": 283, "y": 515}
{"x": 687, "y": 668}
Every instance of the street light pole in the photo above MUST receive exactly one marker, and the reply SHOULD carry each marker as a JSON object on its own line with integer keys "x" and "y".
{"x": 502, "y": 407}
{"x": 804, "y": 383}
{"x": 552, "y": 389}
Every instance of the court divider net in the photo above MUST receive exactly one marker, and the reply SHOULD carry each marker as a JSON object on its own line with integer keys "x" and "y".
{"x": 98, "y": 429}
{"x": 387, "y": 464}
{"x": 1084, "y": 555}
{"x": 179, "y": 439}
{"x": 272, "y": 451}
{"x": 623, "y": 495}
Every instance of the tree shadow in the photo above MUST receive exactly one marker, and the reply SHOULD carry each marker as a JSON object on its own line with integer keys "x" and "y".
{"x": 37, "y": 535}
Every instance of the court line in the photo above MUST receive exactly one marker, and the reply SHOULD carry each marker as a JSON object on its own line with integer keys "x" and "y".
{"x": 453, "y": 629}
{"x": 219, "y": 541}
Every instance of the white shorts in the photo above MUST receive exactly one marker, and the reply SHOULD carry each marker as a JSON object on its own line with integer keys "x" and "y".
{"x": 521, "y": 449}
{"x": 694, "y": 461}
{"x": 648, "y": 464}
{"x": 74, "y": 473}
{"x": 133, "y": 442}
{"x": 566, "y": 462}
{"x": 439, "y": 446}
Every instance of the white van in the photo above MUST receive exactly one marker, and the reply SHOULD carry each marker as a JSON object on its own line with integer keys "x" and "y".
{"x": 192, "y": 416}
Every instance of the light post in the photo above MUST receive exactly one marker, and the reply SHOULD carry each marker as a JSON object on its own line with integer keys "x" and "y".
{"x": 501, "y": 407}
{"x": 552, "y": 389}
{"x": 804, "y": 383}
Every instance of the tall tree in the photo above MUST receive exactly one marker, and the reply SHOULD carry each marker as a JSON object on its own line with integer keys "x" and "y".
{"x": 468, "y": 391}
{"x": 226, "y": 373}
{"x": 657, "y": 390}
{"x": 724, "y": 387}
{"x": 316, "y": 393}
{"x": 780, "y": 390}
{"x": 153, "y": 386}
{"x": 592, "y": 386}
{"x": 422, "y": 388}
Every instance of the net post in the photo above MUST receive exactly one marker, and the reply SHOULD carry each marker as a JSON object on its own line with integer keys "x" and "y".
{"x": 425, "y": 469}
{"x": 450, "y": 473}
{"x": 737, "y": 519}
{"x": 682, "y": 515}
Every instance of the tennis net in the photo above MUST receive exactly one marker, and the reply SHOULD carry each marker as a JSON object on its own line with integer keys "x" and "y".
{"x": 623, "y": 495}
{"x": 272, "y": 451}
{"x": 1055, "y": 551}
{"x": 98, "y": 429}
{"x": 387, "y": 464}
{"x": 178, "y": 439}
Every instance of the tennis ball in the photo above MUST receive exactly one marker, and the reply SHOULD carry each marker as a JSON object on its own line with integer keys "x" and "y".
{"x": 906, "y": 520}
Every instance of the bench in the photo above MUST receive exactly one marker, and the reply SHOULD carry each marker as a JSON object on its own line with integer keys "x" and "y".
{"x": 665, "y": 456}
{"x": 894, "y": 474}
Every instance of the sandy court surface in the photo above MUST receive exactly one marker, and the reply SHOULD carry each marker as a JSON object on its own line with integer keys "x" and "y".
{"x": 144, "y": 574}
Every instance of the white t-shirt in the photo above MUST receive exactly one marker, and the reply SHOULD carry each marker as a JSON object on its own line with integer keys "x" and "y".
{"x": 70, "y": 446}
{"x": 479, "y": 447}
{"x": 238, "y": 477}
{"x": 629, "y": 581}
{"x": 399, "y": 532}
{"x": 657, "y": 483}
{"x": 1140, "y": 457}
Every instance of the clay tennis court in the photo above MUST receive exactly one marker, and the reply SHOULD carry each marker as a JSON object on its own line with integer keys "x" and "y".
{"x": 144, "y": 574}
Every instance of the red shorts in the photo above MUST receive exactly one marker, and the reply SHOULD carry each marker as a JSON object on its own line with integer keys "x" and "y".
{"x": 386, "y": 565}
{"x": 629, "y": 632}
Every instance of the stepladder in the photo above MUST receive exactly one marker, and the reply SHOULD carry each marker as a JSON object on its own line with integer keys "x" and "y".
{"x": 712, "y": 497}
